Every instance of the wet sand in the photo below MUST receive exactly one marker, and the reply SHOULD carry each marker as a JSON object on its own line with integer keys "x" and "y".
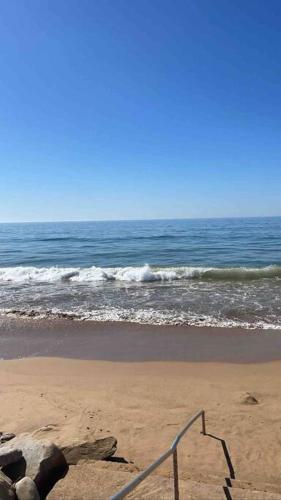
{"x": 131, "y": 342}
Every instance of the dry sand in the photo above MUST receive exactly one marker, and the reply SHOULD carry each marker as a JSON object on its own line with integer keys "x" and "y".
{"x": 144, "y": 404}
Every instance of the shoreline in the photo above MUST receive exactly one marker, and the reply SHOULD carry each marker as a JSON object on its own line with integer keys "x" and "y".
{"x": 201, "y": 321}
{"x": 133, "y": 342}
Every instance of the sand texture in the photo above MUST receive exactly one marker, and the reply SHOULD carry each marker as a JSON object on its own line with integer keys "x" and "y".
{"x": 144, "y": 404}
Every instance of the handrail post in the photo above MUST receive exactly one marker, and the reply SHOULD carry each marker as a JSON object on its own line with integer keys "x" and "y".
{"x": 176, "y": 474}
{"x": 203, "y": 423}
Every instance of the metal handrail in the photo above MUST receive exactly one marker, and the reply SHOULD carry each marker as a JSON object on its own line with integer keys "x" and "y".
{"x": 171, "y": 451}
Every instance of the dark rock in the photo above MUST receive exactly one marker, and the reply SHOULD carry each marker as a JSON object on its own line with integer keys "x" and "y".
{"x": 100, "y": 449}
{"x": 9, "y": 456}
{"x": 7, "y": 491}
{"x": 5, "y": 436}
{"x": 26, "y": 489}
{"x": 42, "y": 461}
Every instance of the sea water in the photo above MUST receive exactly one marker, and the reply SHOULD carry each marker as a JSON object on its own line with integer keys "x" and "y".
{"x": 207, "y": 272}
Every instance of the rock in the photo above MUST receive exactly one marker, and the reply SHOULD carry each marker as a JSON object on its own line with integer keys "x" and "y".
{"x": 96, "y": 450}
{"x": 26, "y": 489}
{"x": 9, "y": 456}
{"x": 250, "y": 400}
{"x": 7, "y": 491}
{"x": 42, "y": 461}
{"x": 5, "y": 436}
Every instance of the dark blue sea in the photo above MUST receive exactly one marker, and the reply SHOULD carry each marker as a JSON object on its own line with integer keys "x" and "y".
{"x": 215, "y": 272}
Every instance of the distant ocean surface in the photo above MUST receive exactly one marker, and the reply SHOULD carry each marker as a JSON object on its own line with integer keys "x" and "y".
{"x": 207, "y": 272}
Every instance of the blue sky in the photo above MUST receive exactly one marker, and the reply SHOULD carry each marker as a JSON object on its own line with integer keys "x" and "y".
{"x": 116, "y": 109}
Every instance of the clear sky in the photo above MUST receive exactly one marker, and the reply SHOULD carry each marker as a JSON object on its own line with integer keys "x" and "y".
{"x": 116, "y": 109}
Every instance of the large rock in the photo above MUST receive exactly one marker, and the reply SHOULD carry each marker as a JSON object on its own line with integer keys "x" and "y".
{"x": 7, "y": 491}
{"x": 100, "y": 449}
{"x": 42, "y": 461}
{"x": 26, "y": 489}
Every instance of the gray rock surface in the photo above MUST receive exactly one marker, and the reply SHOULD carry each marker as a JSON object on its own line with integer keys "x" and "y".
{"x": 42, "y": 461}
{"x": 26, "y": 489}
{"x": 95, "y": 450}
{"x": 7, "y": 491}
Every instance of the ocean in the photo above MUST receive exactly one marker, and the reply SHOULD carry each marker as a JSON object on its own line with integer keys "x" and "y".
{"x": 205, "y": 272}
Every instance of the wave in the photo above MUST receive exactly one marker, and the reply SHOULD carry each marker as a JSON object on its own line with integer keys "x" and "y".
{"x": 30, "y": 274}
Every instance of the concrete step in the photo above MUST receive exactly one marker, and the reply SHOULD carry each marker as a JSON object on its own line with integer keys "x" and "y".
{"x": 87, "y": 481}
{"x": 161, "y": 488}
{"x": 257, "y": 485}
{"x": 247, "y": 484}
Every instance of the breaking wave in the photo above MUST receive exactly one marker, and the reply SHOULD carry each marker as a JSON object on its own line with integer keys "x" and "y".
{"x": 22, "y": 274}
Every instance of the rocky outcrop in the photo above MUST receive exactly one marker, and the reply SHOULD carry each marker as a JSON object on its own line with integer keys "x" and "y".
{"x": 7, "y": 492}
{"x": 42, "y": 461}
{"x": 100, "y": 449}
{"x": 26, "y": 489}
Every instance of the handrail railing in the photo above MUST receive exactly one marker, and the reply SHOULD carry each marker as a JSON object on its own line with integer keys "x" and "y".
{"x": 171, "y": 451}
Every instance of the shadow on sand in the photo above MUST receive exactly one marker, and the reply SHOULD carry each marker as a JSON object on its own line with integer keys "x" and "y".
{"x": 229, "y": 465}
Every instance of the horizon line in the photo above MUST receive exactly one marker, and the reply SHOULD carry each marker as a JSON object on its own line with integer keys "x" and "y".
{"x": 68, "y": 221}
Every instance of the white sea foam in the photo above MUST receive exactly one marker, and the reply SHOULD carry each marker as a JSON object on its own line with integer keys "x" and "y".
{"x": 22, "y": 274}
{"x": 142, "y": 316}
{"x": 132, "y": 274}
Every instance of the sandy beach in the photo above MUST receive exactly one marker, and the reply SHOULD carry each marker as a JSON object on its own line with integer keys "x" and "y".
{"x": 143, "y": 398}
